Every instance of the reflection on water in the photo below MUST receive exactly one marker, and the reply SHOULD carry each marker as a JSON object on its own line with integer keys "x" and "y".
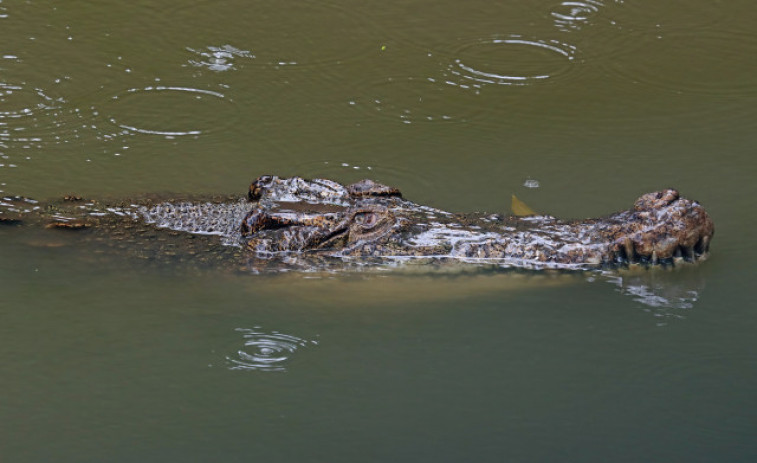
{"x": 667, "y": 293}
{"x": 265, "y": 351}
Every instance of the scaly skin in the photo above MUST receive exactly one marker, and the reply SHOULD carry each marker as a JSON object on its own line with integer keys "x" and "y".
{"x": 372, "y": 220}
{"x": 366, "y": 222}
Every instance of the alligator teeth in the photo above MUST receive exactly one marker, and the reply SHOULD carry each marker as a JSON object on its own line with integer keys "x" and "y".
{"x": 687, "y": 252}
{"x": 703, "y": 245}
{"x": 628, "y": 248}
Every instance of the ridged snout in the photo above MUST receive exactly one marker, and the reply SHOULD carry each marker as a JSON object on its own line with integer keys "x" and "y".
{"x": 664, "y": 228}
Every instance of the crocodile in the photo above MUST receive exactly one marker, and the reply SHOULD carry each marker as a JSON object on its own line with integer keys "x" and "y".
{"x": 284, "y": 223}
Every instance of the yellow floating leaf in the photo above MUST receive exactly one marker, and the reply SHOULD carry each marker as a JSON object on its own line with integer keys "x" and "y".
{"x": 520, "y": 208}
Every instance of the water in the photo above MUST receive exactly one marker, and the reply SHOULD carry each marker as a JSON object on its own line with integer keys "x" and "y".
{"x": 458, "y": 104}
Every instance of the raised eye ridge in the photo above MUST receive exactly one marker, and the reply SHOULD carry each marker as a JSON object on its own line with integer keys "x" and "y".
{"x": 367, "y": 219}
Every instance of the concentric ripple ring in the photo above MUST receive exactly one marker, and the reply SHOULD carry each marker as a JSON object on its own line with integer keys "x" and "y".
{"x": 487, "y": 61}
{"x": 170, "y": 111}
{"x": 265, "y": 351}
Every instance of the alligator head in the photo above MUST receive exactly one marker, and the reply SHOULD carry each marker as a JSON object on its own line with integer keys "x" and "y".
{"x": 368, "y": 219}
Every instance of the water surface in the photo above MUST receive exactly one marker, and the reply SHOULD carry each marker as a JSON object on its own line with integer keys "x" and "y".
{"x": 458, "y": 104}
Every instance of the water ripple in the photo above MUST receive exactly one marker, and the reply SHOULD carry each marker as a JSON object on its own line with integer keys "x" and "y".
{"x": 25, "y": 113}
{"x": 491, "y": 61}
{"x": 321, "y": 33}
{"x": 574, "y": 15}
{"x": 218, "y": 59}
{"x": 31, "y": 119}
{"x": 170, "y": 111}
{"x": 265, "y": 351}
{"x": 19, "y": 101}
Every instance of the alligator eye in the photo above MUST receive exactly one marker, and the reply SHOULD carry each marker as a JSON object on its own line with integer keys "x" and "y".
{"x": 366, "y": 219}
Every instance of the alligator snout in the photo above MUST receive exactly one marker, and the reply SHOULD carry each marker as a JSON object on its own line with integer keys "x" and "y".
{"x": 662, "y": 228}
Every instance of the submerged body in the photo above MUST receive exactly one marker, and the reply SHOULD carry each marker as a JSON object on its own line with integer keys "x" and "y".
{"x": 310, "y": 221}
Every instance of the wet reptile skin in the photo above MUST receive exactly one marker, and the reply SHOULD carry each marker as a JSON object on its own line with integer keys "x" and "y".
{"x": 310, "y": 220}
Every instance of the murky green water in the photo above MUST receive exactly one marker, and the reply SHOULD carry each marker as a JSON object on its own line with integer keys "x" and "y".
{"x": 456, "y": 103}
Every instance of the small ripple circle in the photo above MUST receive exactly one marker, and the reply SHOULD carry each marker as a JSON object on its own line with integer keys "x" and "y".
{"x": 265, "y": 351}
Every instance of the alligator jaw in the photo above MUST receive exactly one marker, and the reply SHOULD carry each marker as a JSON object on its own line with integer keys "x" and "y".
{"x": 662, "y": 228}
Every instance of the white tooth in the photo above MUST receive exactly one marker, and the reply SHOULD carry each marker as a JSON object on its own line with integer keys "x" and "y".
{"x": 705, "y": 244}
{"x": 629, "y": 250}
